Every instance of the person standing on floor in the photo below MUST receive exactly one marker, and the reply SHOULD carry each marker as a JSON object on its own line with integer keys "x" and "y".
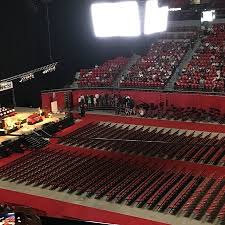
{"x": 89, "y": 102}
{"x": 95, "y": 102}
{"x": 82, "y": 110}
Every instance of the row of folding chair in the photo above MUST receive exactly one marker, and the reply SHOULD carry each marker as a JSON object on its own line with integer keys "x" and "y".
{"x": 119, "y": 137}
{"x": 157, "y": 187}
{"x": 208, "y": 198}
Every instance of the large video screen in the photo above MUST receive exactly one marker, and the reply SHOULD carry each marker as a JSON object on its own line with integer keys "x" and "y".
{"x": 120, "y": 19}
{"x": 156, "y": 18}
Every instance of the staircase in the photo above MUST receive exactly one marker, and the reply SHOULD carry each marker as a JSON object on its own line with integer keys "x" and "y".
{"x": 74, "y": 84}
{"x": 76, "y": 78}
{"x": 133, "y": 60}
{"x": 183, "y": 64}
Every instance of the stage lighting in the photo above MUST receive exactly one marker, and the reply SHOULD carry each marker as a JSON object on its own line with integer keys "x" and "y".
{"x": 120, "y": 19}
{"x": 26, "y": 77}
{"x": 49, "y": 70}
{"x": 208, "y": 16}
{"x": 155, "y": 18}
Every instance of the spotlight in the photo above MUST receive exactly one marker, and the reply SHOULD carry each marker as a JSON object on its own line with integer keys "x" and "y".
{"x": 26, "y": 77}
{"x": 49, "y": 70}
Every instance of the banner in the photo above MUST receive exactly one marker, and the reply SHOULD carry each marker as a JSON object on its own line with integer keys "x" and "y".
{"x": 6, "y": 86}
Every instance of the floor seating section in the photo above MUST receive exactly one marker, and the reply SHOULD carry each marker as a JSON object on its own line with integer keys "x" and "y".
{"x": 103, "y": 75}
{"x": 153, "y": 184}
{"x": 156, "y": 68}
{"x": 206, "y": 70}
{"x": 51, "y": 128}
{"x": 161, "y": 143}
{"x": 185, "y": 114}
{"x": 34, "y": 141}
{"x": 29, "y": 142}
{"x": 7, "y": 148}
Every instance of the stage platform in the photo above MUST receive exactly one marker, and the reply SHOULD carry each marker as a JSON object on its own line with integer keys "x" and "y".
{"x": 23, "y": 113}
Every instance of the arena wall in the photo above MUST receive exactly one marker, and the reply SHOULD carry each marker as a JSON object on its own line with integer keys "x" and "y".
{"x": 178, "y": 99}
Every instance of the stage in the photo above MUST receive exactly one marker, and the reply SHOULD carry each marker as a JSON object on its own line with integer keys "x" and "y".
{"x": 23, "y": 113}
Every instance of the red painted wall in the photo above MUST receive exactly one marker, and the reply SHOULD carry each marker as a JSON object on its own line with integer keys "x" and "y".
{"x": 60, "y": 98}
{"x": 177, "y": 99}
{"x": 46, "y": 99}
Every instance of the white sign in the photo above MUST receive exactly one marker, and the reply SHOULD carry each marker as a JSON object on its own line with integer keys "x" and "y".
{"x": 6, "y": 86}
{"x": 54, "y": 107}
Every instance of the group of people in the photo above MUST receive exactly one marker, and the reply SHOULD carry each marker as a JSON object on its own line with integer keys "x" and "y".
{"x": 206, "y": 67}
{"x": 160, "y": 62}
{"x": 119, "y": 103}
{"x": 126, "y": 105}
{"x": 103, "y": 74}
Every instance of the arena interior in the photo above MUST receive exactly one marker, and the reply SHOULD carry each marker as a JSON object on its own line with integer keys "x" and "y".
{"x": 139, "y": 139}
